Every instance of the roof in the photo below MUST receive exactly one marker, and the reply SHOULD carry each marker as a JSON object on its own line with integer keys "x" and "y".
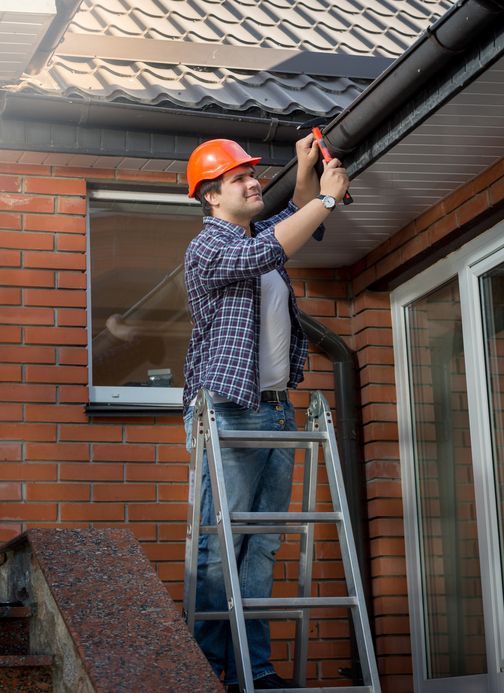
{"x": 304, "y": 28}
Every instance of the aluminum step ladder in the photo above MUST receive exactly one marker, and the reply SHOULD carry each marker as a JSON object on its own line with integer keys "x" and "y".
{"x": 319, "y": 431}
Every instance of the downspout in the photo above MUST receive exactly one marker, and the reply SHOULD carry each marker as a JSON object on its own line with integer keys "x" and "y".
{"x": 348, "y": 427}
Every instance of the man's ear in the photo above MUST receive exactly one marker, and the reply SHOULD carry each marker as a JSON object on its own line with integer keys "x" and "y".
{"x": 212, "y": 197}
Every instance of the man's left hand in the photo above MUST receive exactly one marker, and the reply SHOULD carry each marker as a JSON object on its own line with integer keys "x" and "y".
{"x": 307, "y": 153}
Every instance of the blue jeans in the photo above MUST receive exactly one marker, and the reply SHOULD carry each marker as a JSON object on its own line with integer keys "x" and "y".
{"x": 256, "y": 480}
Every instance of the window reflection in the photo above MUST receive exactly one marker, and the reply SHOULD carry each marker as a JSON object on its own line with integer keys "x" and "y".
{"x": 453, "y": 611}
{"x": 140, "y": 322}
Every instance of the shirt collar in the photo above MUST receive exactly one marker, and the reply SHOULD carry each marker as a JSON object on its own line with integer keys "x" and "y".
{"x": 224, "y": 225}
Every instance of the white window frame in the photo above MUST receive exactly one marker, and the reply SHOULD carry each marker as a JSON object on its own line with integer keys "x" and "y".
{"x": 467, "y": 264}
{"x": 169, "y": 397}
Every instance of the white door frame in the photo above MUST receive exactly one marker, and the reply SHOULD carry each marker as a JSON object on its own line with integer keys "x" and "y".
{"x": 468, "y": 264}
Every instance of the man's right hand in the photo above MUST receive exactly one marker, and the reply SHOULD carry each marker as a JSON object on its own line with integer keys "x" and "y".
{"x": 334, "y": 180}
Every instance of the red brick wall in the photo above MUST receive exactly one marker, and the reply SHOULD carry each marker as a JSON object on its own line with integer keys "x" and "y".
{"x": 60, "y": 469}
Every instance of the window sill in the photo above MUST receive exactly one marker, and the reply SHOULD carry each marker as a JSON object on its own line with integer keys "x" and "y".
{"x": 114, "y": 409}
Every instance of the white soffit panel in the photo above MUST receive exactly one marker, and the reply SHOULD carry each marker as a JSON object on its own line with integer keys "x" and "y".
{"x": 23, "y": 25}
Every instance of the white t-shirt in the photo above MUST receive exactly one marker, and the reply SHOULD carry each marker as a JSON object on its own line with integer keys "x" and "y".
{"x": 275, "y": 333}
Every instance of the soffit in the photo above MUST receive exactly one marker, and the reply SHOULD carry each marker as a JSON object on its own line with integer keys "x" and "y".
{"x": 349, "y": 27}
{"x": 458, "y": 142}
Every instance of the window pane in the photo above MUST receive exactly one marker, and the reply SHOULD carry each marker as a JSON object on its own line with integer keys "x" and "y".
{"x": 453, "y": 611}
{"x": 140, "y": 322}
{"x": 492, "y": 292}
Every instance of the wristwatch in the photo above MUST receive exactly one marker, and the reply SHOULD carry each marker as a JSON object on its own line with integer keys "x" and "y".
{"x": 328, "y": 201}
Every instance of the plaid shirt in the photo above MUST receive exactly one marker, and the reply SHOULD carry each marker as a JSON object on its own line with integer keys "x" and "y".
{"x": 223, "y": 268}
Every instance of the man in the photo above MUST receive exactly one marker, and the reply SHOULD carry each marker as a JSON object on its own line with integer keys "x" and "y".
{"x": 247, "y": 348}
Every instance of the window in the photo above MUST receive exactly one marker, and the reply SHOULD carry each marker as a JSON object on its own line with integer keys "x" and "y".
{"x": 139, "y": 325}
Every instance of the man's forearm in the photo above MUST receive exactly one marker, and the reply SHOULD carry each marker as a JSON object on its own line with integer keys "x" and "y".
{"x": 307, "y": 187}
{"x": 292, "y": 233}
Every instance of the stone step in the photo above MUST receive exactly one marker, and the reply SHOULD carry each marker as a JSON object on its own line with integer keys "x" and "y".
{"x": 26, "y": 673}
{"x": 14, "y": 628}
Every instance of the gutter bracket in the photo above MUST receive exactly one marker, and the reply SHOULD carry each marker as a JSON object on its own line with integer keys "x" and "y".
{"x": 273, "y": 127}
{"x": 446, "y": 49}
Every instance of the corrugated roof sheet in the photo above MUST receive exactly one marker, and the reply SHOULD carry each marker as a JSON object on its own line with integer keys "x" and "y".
{"x": 372, "y": 28}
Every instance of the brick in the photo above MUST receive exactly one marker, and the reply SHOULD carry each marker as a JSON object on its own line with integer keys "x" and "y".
{"x": 29, "y": 431}
{"x": 91, "y": 472}
{"x": 55, "y": 186}
{"x": 496, "y": 192}
{"x": 10, "y": 491}
{"x": 10, "y": 221}
{"x": 55, "y": 297}
{"x": 10, "y": 297}
{"x": 157, "y": 472}
{"x": 173, "y": 531}
{"x": 124, "y": 453}
{"x": 31, "y": 511}
{"x": 43, "y": 260}
{"x": 384, "y": 488}
{"x": 317, "y": 381}
{"x": 57, "y": 492}
{"x": 68, "y": 317}
{"x": 314, "y": 306}
{"x": 172, "y": 453}
{"x": 155, "y": 434}
{"x": 9, "y": 531}
{"x": 92, "y": 511}
{"x": 58, "y": 414}
{"x": 372, "y": 318}
{"x": 73, "y": 393}
{"x": 146, "y": 176}
{"x": 472, "y": 208}
{"x": 379, "y": 412}
{"x": 25, "y": 169}
{"x": 10, "y": 451}
{"x": 385, "y": 507}
{"x": 328, "y": 289}
{"x": 55, "y": 222}
{"x": 57, "y": 452}
{"x": 157, "y": 511}
{"x": 172, "y": 492}
{"x": 442, "y": 228}
{"x": 485, "y": 179}
{"x": 372, "y": 300}
{"x": 363, "y": 280}
{"x": 164, "y": 552}
{"x": 71, "y": 205}
{"x": 378, "y": 375}
{"x": 26, "y": 241}
{"x": 25, "y": 354}
{"x": 10, "y": 373}
{"x": 71, "y": 243}
{"x": 73, "y": 356}
{"x": 56, "y": 335}
{"x": 11, "y": 412}
{"x": 90, "y": 432}
{"x": 26, "y": 277}
{"x": 27, "y": 393}
{"x": 124, "y": 492}
{"x": 381, "y": 450}
{"x": 10, "y": 258}
{"x": 11, "y": 471}
{"x": 26, "y": 316}
{"x": 56, "y": 374}
{"x": 71, "y": 280}
{"x": 378, "y": 393}
{"x": 26, "y": 203}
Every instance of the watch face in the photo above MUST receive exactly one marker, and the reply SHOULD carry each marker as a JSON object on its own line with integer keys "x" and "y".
{"x": 329, "y": 202}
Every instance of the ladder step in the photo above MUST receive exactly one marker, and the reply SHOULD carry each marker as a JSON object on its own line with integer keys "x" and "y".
{"x": 287, "y": 517}
{"x": 257, "y": 529}
{"x": 299, "y": 602}
{"x": 344, "y": 689}
{"x": 291, "y": 615}
{"x": 270, "y": 439}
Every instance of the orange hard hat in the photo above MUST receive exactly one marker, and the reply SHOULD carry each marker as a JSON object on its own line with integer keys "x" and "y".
{"x": 213, "y": 158}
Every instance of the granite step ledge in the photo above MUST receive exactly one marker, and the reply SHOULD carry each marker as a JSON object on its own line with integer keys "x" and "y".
{"x": 14, "y": 628}
{"x": 104, "y": 614}
{"x": 26, "y": 673}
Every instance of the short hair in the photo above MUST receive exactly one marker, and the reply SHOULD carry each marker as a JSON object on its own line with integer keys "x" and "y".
{"x": 205, "y": 187}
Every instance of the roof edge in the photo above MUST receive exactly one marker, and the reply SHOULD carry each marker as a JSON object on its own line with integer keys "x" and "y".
{"x": 454, "y": 34}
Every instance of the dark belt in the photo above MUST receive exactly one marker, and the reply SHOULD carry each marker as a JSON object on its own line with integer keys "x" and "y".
{"x": 274, "y": 396}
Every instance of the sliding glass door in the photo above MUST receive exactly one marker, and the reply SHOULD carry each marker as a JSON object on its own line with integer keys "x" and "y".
{"x": 449, "y": 349}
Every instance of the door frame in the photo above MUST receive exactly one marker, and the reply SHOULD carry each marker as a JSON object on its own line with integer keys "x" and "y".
{"x": 468, "y": 264}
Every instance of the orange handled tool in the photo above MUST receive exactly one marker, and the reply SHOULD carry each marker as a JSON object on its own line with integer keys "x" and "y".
{"x": 347, "y": 198}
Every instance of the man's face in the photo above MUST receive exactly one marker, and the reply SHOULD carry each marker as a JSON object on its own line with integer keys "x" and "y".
{"x": 240, "y": 196}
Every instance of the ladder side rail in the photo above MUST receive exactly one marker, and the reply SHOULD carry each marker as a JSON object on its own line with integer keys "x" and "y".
{"x": 302, "y": 633}
{"x": 193, "y": 519}
{"x": 227, "y": 550}
{"x": 349, "y": 553}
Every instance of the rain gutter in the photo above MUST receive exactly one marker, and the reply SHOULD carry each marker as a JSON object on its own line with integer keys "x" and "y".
{"x": 453, "y": 39}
